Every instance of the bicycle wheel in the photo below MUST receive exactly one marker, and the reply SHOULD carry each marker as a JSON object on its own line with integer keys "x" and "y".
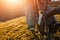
{"x": 55, "y": 13}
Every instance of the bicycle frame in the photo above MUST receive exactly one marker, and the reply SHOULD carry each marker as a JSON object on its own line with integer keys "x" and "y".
{"x": 32, "y": 9}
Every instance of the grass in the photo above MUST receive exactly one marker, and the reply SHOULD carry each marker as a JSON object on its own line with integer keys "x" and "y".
{"x": 15, "y": 29}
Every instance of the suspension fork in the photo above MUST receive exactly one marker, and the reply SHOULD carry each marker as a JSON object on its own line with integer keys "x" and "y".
{"x": 46, "y": 25}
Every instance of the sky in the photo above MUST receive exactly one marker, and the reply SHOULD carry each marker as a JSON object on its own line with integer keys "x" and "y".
{"x": 10, "y": 9}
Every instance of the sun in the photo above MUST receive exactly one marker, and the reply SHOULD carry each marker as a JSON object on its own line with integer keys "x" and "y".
{"x": 12, "y": 1}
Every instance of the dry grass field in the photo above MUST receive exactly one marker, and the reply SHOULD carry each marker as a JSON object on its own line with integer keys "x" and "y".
{"x": 15, "y": 29}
